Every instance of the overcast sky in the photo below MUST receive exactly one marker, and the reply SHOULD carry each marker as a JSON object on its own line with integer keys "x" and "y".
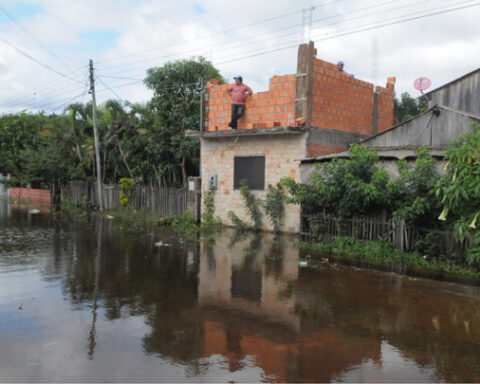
{"x": 253, "y": 38}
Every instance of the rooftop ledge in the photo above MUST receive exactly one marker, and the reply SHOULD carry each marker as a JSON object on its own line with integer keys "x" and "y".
{"x": 285, "y": 130}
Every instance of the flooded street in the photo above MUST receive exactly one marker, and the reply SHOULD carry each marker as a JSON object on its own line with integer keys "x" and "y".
{"x": 88, "y": 302}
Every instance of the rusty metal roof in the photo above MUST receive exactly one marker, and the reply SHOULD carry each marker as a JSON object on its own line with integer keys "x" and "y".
{"x": 397, "y": 153}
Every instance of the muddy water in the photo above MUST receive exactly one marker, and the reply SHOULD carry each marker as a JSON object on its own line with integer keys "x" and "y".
{"x": 87, "y": 302}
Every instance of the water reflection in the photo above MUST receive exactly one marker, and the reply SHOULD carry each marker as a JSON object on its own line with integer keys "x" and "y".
{"x": 99, "y": 304}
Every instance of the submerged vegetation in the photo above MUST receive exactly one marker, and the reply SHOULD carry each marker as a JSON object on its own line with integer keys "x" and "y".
{"x": 382, "y": 254}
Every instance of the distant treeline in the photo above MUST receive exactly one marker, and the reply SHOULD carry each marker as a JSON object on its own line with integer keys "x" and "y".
{"x": 140, "y": 141}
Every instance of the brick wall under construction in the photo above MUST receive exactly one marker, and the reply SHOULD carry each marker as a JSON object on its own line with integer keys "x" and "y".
{"x": 318, "y": 95}
{"x": 272, "y": 108}
{"x": 344, "y": 103}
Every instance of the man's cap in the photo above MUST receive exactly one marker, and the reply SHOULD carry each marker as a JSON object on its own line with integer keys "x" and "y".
{"x": 239, "y": 78}
{"x": 340, "y": 63}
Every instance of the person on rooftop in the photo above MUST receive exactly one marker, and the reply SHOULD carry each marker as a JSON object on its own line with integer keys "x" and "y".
{"x": 239, "y": 93}
{"x": 340, "y": 66}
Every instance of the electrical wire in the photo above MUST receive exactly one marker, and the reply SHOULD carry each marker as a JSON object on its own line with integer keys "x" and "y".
{"x": 110, "y": 89}
{"x": 215, "y": 34}
{"x": 46, "y": 66}
{"x": 45, "y": 87}
{"x": 332, "y": 35}
{"x": 294, "y": 42}
{"x": 35, "y": 39}
{"x": 249, "y": 37}
{"x": 276, "y": 37}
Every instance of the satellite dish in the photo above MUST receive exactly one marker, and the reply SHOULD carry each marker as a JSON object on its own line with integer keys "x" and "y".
{"x": 421, "y": 84}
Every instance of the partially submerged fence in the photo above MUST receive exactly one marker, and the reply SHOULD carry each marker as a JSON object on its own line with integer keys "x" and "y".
{"x": 401, "y": 236}
{"x": 164, "y": 201}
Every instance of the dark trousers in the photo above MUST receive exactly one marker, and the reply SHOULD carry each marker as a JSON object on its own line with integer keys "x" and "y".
{"x": 237, "y": 112}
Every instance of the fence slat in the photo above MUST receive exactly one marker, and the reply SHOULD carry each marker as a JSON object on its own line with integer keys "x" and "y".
{"x": 397, "y": 232}
{"x": 161, "y": 200}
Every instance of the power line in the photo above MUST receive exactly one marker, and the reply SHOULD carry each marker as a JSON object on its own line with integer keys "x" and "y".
{"x": 37, "y": 41}
{"x": 43, "y": 87}
{"x": 45, "y": 104}
{"x": 363, "y": 29}
{"x": 295, "y": 41}
{"x": 358, "y": 29}
{"x": 110, "y": 89}
{"x": 248, "y": 38}
{"x": 42, "y": 93}
{"x": 38, "y": 61}
{"x": 213, "y": 34}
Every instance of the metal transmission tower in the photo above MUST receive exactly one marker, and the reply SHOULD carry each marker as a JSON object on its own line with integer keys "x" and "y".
{"x": 307, "y": 19}
{"x": 374, "y": 74}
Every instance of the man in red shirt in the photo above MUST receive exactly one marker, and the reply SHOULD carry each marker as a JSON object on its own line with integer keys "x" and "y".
{"x": 239, "y": 93}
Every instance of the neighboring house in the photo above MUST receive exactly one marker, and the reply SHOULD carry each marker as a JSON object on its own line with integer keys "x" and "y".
{"x": 435, "y": 129}
{"x": 314, "y": 112}
{"x": 462, "y": 94}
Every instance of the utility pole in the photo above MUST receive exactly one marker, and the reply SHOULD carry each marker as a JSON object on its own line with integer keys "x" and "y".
{"x": 95, "y": 133}
{"x": 202, "y": 104}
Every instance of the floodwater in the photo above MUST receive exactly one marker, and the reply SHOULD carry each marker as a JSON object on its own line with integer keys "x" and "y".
{"x": 88, "y": 302}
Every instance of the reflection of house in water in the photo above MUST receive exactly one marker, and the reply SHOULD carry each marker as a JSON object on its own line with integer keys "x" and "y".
{"x": 247, "y": 315}
{"x": 239, "y": 278}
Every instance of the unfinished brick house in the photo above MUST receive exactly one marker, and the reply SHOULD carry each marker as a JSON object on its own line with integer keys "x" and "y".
{"x": 314, "y": 112}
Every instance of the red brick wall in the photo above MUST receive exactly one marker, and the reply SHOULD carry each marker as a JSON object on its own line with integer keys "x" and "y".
{"x": 385, "y": 105}
{"x": 318, "y": 149}
{"x": 275, "y": 107}
{"x": 339, "y": 101}
{"x": 40, "y": 195}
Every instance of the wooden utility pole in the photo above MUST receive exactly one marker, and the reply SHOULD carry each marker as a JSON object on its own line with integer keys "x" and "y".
{"x": 95, "y": 134}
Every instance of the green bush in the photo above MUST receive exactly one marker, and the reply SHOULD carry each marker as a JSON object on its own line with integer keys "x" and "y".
{"x": 459, "y": 191}
{"x": 274, "y": 205}
{"x": 252, "y": 204}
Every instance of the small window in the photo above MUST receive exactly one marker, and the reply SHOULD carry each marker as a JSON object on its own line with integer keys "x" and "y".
{"x": 250, "y": 168}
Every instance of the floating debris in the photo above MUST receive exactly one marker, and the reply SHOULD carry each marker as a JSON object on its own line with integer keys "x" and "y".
{"x": 34, "y": 211}
{"x": 109, "y": 217}
{"x": 303, "y": 263}
{"x": 162, "y": 244}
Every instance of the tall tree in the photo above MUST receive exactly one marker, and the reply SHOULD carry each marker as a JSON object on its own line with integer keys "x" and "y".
{"x": 408, "y": 107}
{"x": 176, "y": 108}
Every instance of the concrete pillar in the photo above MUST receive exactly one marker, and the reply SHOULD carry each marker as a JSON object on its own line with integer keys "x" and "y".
{"x": 304, "y": 76}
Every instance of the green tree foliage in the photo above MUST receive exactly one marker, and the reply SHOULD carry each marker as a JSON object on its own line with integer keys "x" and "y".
{"x": 347, "y": 187}
{"x": 252, "y": 204}
{"x": 274, "y": 205}
{"x": 415, "y": 189}
{"x": 459, "y": 191}
{"x": 17, "y": 132}
{"x": 407, "y": 107}
{"x": 141, "y": 142}
{"x": 175, "y": 108}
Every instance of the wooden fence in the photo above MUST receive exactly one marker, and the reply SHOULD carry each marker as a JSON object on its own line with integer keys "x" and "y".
{"x": 164, "y": 201}
{"x": 402, "y": 236}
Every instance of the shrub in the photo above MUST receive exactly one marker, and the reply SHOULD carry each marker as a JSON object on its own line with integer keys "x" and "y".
{"x": 252, "y": 204}
{"x": 274, "y": 205}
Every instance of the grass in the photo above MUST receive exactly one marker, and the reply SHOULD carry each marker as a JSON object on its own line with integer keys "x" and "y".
{"x": 382, "y": 254}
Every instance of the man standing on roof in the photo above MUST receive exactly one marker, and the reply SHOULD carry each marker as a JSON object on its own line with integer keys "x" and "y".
{"x": 239, "y": 93}
{"x": 340, "y": 66}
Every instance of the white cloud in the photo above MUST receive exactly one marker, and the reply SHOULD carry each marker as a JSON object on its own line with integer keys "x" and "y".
{"x": 442, "y": 47}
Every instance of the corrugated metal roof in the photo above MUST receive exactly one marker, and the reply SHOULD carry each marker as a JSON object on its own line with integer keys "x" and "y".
{"x": 453, "y": 81}
{"x": 390, "y": 153}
